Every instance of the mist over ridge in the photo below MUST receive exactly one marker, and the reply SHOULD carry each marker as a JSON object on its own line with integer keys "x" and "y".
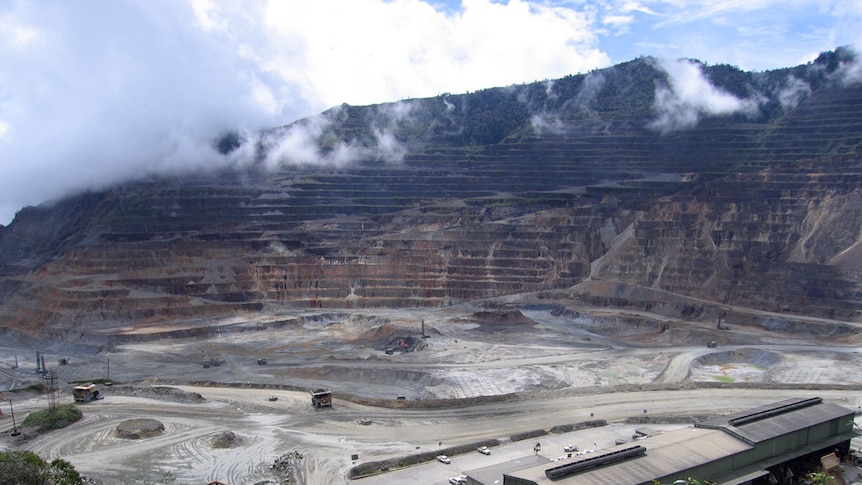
{"x": 671, "y": 95}
{"x": 667, "y": 96}
{"x": 94, "y": 95}
{"x": 696, "y": 180}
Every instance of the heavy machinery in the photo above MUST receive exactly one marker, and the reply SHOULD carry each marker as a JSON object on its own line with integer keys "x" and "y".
{"x": 321, "y": 398}
{"x": 86, "y": 393}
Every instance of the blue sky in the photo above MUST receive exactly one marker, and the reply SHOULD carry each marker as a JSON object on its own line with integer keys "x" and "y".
{"x": 98, "y": 92}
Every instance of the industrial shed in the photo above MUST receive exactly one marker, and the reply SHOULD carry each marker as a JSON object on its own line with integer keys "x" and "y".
{"x": 762, "y": 446}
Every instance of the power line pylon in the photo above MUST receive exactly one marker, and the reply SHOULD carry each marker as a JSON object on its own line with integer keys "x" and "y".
{"x": 53, "y": 396}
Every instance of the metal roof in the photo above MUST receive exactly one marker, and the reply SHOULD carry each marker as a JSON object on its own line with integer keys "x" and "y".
{"x": 777, "y": 419}
{"x": 492, "y": 473}
{"x": 665, "y": 454}
{"x": 706, "y": 442}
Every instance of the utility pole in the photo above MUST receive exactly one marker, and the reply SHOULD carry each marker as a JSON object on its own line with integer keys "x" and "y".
{"x": 15, "y": 431}
{"x": 51, "y": 377}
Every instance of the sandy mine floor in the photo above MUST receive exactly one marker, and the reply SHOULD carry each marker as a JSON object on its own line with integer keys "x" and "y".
{"x": 546, "y": 370}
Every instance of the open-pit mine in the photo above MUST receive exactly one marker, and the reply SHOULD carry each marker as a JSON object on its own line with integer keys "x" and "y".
{"x": 538, "y": 260}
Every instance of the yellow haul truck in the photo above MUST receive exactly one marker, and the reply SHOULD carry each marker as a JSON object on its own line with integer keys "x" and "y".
{"x": 86, "y": 393}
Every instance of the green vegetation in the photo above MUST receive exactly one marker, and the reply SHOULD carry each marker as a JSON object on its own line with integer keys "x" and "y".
{"x": 28, "y": 468}
{"x": 820, "y": 478}
{"x": 95, "y": 381}
{"x": 725, "y": 379}
{"x": 376, "y": 467}
{"x": 48, "y": 419}
{"x": 167, "y": 478}
{"x": 37, "y": 387}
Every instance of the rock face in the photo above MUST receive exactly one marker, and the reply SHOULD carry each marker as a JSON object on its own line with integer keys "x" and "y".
{"x": 574, "y": 184}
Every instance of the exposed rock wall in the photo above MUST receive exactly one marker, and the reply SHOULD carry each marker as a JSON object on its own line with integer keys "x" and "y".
{"x": 760, "y": 212}
{"x": 781, "y": 239}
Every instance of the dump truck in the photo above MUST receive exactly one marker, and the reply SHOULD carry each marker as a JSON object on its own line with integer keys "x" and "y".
{"x": 321, "y": 398}
{"x": 85, "y": 393}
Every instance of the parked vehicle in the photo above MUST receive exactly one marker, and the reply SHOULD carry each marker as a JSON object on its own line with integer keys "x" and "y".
{"x": 570, "y": 449}
{"x": 444, "y": 459}
{"x": 484, "y": 450}
{"x": 459, "y": 480}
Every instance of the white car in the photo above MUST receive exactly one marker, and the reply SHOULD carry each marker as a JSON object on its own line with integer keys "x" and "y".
{"x": 444, "y": 459}
{"x": 459, "y": 480}
{"x": 484, "y": 450}
{"x": 570, "y": 449}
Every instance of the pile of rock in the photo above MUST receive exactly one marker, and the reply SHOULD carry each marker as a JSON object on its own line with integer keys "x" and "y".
{"x": 285, "y": 465}
{"x": 136, "y": 429}
{"x": 162, "y": 393}
{"x": 226, "y": 439}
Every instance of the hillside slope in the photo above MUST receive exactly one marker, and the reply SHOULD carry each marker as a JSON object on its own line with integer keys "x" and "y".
{"x": 702, "y": 181}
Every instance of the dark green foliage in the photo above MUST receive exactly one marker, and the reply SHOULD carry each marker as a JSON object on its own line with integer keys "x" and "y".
{"x": 488, "y": 119}
{"x": 623, "y": 96}
{"x": 228, "y": 142}
{"x": 820, "y": 478}
{"x": 48, "y": 419}
{"x": 628, "y": 88}
{"x": 167, "y": 478}
{"x": 100, "y": 380}
{"x": 28, "y": 468}
{"x": 731, "y": 79}
{"x": 63, "y": 473}
{"x": 37, "y": 387}
{"x": 528, "y": 435}
{"x": 564, "y": 89}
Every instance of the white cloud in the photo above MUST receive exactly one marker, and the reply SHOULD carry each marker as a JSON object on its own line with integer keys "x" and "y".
{"x": 15, "y": 33}
{"x": 793, "y": 92}
{"x": 618, "y": 21}
{"x": 100, "y": 92}
{"x": 850, "y": 73}
{"x": 636, "y": 7}
{"x": 689, "y": 96}
{"x": 92, "y": 93}
{"x": 406, "y": 48}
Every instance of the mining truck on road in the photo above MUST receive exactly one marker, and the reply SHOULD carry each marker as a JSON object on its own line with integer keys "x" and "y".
{"x": 86, "y": 393}
{"x": 321, "y": 398}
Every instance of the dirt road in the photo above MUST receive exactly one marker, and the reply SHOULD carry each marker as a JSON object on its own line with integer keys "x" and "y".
{"x": 557, "y": 366}
{"x": 328, "y": 438}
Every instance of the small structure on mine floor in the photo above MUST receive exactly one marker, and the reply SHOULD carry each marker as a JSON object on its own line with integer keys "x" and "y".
{"x": 86, "y": 393}
{"x": 321, "y": 398}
